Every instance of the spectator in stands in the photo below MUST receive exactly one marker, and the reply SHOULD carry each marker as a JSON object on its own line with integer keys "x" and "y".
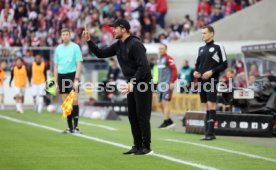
{"x": 16, "y": 43}
{"x": 217, "y": 15}
{"x": 41, "y": 33}
{"x": 175, "y": 26}
{"x": 203, "y": 19}
{"x": 229, "y": 77}
{"x": 200, "y": 22}
{"x": 204, "y": 5}
{"x": 147, "y": 23}
{"x": 185, "y": 32}
{"x": 106, "y": 37}
{"x": 151, "y": 7}
{"x": 217, "y": 4}
{"x": 188, "y": 23}
{"x": 147, "y": 38}
{"x": 254, "y": 71}
{"x": 172, "y": 35}
{"x": 161, "y": 9}
{"x": 241, "y": 80}
{"x": 162, "y": 38}
{"x": 229, "y": 7}
{"x": 244, "y": 4}
{"x": 135, "y": 25}
{"x": 20, "y": 19}
{"x": 251, "y": 80}
{"x": 139, "y": 10}
{"x": 239, "y": 66}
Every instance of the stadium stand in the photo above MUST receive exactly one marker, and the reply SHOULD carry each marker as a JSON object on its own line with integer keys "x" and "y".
{"x": 38, "y": 23}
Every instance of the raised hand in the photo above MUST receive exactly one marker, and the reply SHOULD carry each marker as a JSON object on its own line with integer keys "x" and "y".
{"x": 85, "y": 33}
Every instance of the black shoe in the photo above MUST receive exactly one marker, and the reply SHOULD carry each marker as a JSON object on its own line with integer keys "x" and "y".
{"x": 208, "y": 138}
{"x": 68, "y": 131}
{"x": 144, "y": 151}
{"x": 133, "y": 150}
{"x": 77, "y": 130}
{"x": 167, "y": 124}
{"x": 163, "y": 125}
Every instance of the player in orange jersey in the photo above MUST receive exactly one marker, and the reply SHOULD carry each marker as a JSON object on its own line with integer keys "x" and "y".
{"x": 2, "y": 78}
{"x": 19, "y": 75}
{"x": 38, "y": 77}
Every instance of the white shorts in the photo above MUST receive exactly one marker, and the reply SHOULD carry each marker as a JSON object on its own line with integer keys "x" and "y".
{"x": 38, "y": 89}
{"x": 19, "y": 91}
{"x": 1, "y": 90}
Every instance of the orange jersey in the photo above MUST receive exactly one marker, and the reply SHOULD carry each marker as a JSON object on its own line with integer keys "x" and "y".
{"x": 20, "y": 76}
{"x": 38, "y": 76}
{"x": 2, "y": 77}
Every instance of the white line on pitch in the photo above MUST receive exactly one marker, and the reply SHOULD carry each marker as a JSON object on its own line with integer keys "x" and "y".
{"x": 169, "y": 158}
{"x": 99, "y": 126}
{"x": 222, "y": 150}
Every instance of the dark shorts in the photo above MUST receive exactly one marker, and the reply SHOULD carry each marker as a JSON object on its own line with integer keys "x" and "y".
{"x": 208, "y": 94}
{"x": 167, "y": 96}
{"x": 65, "y": 87}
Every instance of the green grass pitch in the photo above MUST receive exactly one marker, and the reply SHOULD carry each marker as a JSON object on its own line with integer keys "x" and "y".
{"x": 25, "y": 147}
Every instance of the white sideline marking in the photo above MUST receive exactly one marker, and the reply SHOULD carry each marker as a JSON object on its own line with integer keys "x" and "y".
{"x": 109, "y": 142}
{"x": 223, "y": 150}
{"x": 99, "y": 126}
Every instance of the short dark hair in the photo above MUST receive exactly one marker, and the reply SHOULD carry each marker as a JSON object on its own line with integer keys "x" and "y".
{"x": 65, "y": 30}
{"x": 209, "y": 28}
{"x": 19, "y": 58}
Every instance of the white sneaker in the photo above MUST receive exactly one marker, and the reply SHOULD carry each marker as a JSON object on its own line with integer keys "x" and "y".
{"x": 21, "y": 111}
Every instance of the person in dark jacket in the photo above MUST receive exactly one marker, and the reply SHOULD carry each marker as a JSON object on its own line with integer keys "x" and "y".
{"x": 211, "y": 61}
{"x": 131, "y": 55}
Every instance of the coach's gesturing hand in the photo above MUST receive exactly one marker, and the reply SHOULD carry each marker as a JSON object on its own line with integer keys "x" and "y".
{"x": 85, "y": 33}
{"x": 207, "y": 74}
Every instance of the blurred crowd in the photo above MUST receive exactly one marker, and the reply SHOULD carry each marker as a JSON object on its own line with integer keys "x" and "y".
{"x": 37, "y": 23}
{"x": 210, "y": 11}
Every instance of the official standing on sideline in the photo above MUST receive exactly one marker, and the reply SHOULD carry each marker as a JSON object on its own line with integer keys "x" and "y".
{"x": 132, "y": 58}
{"x": 68, "y": 59}
{"x": 211, "y": 61}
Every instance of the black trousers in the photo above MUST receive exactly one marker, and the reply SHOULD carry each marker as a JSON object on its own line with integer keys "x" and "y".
{"x": 139, "y": 113}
